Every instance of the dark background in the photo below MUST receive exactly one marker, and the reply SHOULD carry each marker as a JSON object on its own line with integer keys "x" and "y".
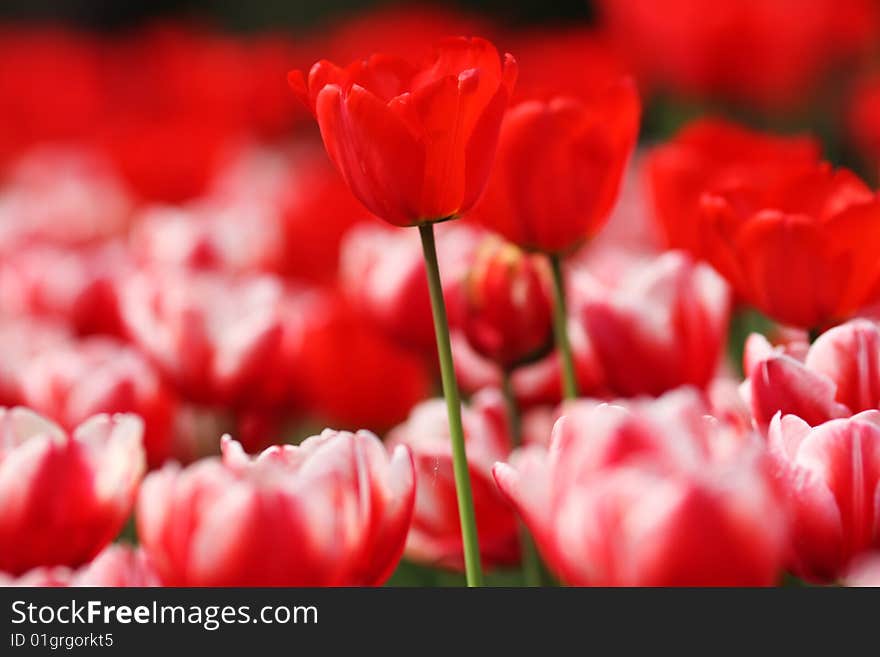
{"x": 263, "y": 14}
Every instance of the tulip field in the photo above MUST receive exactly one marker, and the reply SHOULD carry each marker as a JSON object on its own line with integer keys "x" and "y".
{"x": 424, "y": 296}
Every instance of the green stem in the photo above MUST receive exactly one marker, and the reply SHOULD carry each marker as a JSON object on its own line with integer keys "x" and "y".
{"x": 473, "y": 569}
{"x": 531, "y": 565}
{"x": 560, "y": 330}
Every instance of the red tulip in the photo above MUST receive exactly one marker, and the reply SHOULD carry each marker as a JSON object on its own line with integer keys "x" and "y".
{"x": 832, "y": 475}
{"x": 234, "y": 237}
{"x": 559, "y": 167}
{"x": 63, "y": 497}
{"x": 862, "y": 122}
{"x": 220, "y": 339}
{"x": 741, "y": 52}
{"x": 838, "y": 376}
{"x": 865, "y": 572}
{"x": 657, "y": 495}
{"x": 72, "y": 285}
{"x": 100, "y": 375}
{"x": 507, "y": 304}
{"x": 332, "y": 511}
{"x": 22, "y": 339}
{"x": 65, "y": 196}
{"x": 574, "y": 62}
{"x": 802, "y": 249}
{"x": 708, "y": 155}
{"x": 435, "y": 535}
{"x": 382, "y": 273}
{"x": 414, "y": 144}
{"x": 664, "y": 325}
{"x": 117, "y": 565}
{"x": 381, "y": 380}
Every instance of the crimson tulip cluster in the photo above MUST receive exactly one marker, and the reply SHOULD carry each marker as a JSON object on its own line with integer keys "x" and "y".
{"x": 659, "y": 363}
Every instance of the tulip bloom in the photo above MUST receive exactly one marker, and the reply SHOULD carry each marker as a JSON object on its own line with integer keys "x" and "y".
{"x": 507, "y": 304}
{"x": 63, "y": 497}
{"x": 333, "y": 511}
{"x": 653, "y": 495}
{"x": 414, "y": 144}
{"x": 710, "y": 154}
{"x": 100, "y": 375}
{"x": 117, "y": 565}
{"x": 383, "y": 277}
{"x": 838, "y": 375}
{"x": 664, "y": 325}
{"x": 832, "y": 476}
{"x": 218, "y": 338}
{"x": 802, "y": 249}
{"x": 559, "y": 167}
{"x": 435, "y": 535}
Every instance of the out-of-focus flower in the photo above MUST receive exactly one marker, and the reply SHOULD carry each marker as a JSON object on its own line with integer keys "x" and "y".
{"x": 317, "y": 212}
{"x": 559, "y": 168}
{"x": 657, "y": 495}
{"x": 65, "y": 196}
{"x": 63, "y": 497}
{"x": 117, "y": 565}
{"x": 838, "y": 375}
{"x": 353, "y": 375}
{"x": 507, "y": 304}
{"x": 414, "y": 144}
{"x": 574, "y": 62}
{"x": 664, "y": 325}
{"x": 220, "y": 339}
{"x": 51, "y": 87}
{"x": 76, "y": 286}
{"x": 100, "y": 375}
{"x": 864, "y": 572}
{"x": 382, "y": 273}
{"x": 714, "y": 154}
{"x": 241, "y": 237}
{"x": 21, "y": 340}
{"x": 832, "y": 475}
{"x": 333, "y": 511}
{"x": 802, "y": 249}
{"x": 435, "y": 535}
{"x": 863, "y": 118}
{"x": 399, "y": 31}
{"x": 741, "y": 51}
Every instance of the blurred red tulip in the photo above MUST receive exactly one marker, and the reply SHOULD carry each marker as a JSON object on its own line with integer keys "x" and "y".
{"x": 333, "y": 511}
{"x": 507, "y": 304}
{"x": 100, "y": 375}
{"x": 749, "y": 51}
{"x": 832, "y": 475}
{"x": 664, "y": 325}
{"x": 117, "y": 565}
{"x": 838, "y": 376}
{"x": 713, "y": 154}
{"x": 76, "y": 286}
{"x": 657, "y": 495}
{"x": 352, "y": 375}
{"x": 21, "y": 340}
{"x": 234, "y": 237}
{"x": 802, "y": 249}
{"x": 63, "y": 497}
{"x": 865, "y": 572}
{"x": 414, "y": 144}
{"x": 65, "y": 196}
{"x": 559, "y": 167}
{"x": 383, "y": 275}
{"x": 574, "y": 62}
{"x": 435, "y": 535}
{"x": 219, "y": 339}
{"x": 863, "y": 118}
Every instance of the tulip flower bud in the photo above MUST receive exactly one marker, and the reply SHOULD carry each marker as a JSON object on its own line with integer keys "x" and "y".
{"x": 508, "y": 305}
